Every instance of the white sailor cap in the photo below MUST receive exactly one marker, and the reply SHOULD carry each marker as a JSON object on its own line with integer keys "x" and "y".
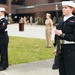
{"x": 48, "y": 14}
{"x": 2, "y": 9}
{"x": 68, "y": 3}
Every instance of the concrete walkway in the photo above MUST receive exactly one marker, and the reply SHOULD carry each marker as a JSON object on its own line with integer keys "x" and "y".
{"x": 34, "y": 31}
{"x": 43, "y": 67}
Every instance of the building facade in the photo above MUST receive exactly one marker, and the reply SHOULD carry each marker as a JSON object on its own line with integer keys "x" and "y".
{"x": 35, "y": 8}
{"x": 6, "y": 4}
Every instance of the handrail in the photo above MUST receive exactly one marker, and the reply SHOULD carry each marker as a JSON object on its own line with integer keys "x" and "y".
{"x": 38, "y": 5}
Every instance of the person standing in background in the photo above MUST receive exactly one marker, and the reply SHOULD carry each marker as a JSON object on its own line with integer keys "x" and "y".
{"x": 21, "y": 20}
{"x": 48, "y": 31}
{"x": 25, "y": 19}
{"x": 4, "y": 39}
{"x": 31, "y": 20}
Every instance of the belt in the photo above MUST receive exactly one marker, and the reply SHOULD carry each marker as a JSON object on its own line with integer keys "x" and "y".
{"x": 66, "y": 42}
{"x": 3, "y": 31}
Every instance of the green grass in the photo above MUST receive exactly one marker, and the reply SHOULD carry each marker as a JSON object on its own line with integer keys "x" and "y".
{"x": 24, "y": 50}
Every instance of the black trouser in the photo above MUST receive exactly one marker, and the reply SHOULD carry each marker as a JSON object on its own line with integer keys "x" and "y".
{"x": 67, "y": 60}
{"x": 4, "y": 49}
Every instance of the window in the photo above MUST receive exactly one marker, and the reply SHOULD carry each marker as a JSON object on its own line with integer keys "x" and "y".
{"x": 2, "y": 1}
{"x": 65, "y": 0}
{"x": 18, "y": 2}
{"x": 50, "y": 1}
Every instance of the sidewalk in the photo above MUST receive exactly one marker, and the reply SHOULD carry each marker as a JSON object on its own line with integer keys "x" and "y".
{"x": 34, "y": 31}
{"x": 34, "y": 68}
{"x": 43, "y": 67}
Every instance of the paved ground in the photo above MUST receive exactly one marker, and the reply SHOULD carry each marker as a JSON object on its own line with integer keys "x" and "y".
{"x": 34, "y": 68}
{"x": 29, "y": 31}
{"x": 43, "y": 67}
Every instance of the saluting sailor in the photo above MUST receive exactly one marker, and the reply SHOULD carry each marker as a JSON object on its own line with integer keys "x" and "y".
{"x": 3, "y": 40}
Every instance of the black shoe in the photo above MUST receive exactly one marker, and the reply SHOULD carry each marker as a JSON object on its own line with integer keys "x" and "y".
{"x": 54, "y": 66}
{"x": 1, "y": 68}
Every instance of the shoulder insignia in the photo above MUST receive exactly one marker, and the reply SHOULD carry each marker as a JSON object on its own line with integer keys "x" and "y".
{"x": 3, "y": 24}
{"x": 71, "y": 21}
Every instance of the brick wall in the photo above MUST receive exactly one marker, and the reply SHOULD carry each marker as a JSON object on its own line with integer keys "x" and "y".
{"x": 34, "y": 2}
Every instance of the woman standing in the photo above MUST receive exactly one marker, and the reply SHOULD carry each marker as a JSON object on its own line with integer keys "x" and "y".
{"x": 66, "y": 33}
{"x": 49, "y": 25}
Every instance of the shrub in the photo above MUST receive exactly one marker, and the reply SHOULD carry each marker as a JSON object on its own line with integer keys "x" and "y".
{"x": 10, "y": 21}
{"x": 54, "y": 20}
{"x": 39, "y": 20}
